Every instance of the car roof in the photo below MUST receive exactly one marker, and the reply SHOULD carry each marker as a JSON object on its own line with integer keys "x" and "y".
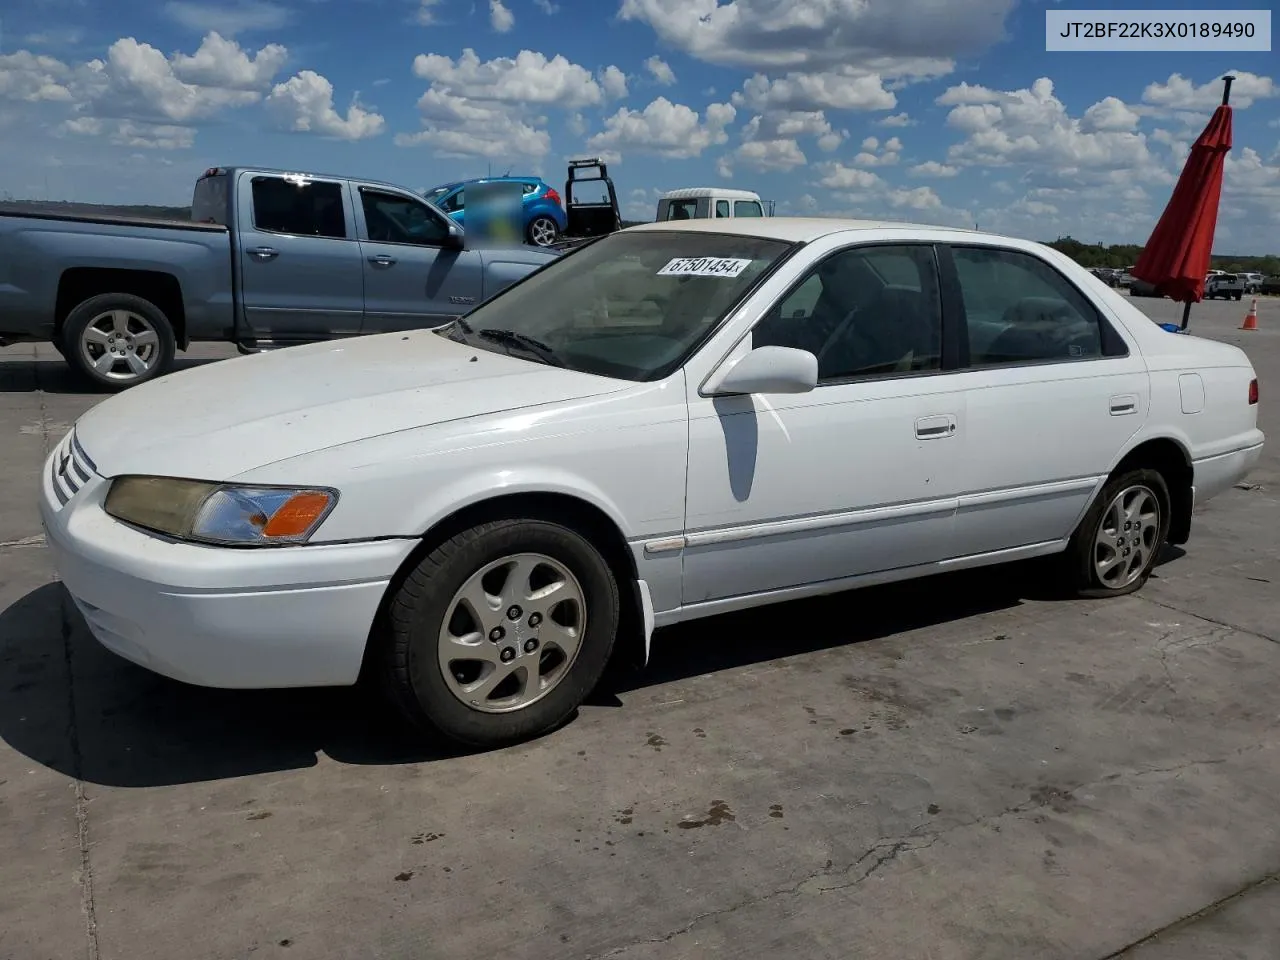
{"x": 506, "y": 178}
{"x": 798, "y": 229}
{"x": 725, "y": 193}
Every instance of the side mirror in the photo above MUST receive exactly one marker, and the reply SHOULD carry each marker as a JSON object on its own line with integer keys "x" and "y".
{"x": 457, "y": 238}
{"x": 767, "y": 370}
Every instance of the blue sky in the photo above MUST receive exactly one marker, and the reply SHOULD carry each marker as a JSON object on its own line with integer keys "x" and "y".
{"x": 945, "y": 111}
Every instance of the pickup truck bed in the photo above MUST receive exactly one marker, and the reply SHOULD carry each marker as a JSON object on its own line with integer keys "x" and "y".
{"x": 270, "y": 259}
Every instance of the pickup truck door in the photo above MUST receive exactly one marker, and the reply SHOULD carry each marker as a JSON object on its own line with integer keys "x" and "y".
{"x": 300, "y": 269}
{"x": 413, "y": 278}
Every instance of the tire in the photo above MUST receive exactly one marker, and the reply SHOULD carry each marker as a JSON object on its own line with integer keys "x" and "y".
{"x": 542, "y": 231}
{"x": 1082, "y": 571}
{"x": 121, "y": 322}
{"x": 1239, "y": 296}
{"x": 427, "y": 608}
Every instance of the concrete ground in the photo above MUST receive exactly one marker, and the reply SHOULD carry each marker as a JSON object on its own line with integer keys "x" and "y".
{"x": 950, "y": 769}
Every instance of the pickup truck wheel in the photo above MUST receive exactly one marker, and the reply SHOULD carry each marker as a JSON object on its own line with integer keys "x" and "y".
{"x": 543, "y": 231}
{"x": 501, "y": 632}
{"x": 118, "y": 340}
{"x": 1115, "y": 548}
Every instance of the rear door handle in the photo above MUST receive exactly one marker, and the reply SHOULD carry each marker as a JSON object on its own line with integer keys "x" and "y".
{"x": 264, "y": 253}
{"x": 381, "y": 260}
{"x": 935, "y": 428}
{"x": 1123, "y": 404}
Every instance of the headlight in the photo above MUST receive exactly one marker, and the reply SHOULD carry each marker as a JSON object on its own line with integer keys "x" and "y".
{"x": 220, "y": 513}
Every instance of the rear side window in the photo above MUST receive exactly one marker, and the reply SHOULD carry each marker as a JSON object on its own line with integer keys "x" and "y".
{"x": 305, "y": 208}
{"x": 682, "y": 210}
{"x": 210, "y": 201}
{"x": 722, "y": 208}
{"x": 1019, "y": 309}
{"x": 747, "y": 208}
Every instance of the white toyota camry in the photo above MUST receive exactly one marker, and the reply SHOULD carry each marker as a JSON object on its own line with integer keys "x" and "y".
{"x": 674, "y": 421}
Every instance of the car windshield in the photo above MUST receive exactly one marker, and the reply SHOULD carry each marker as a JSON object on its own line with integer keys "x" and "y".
{"x": 435, "y": 193}
{"x": 631, "y": 305}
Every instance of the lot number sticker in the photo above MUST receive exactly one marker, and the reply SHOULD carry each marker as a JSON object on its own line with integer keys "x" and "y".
{"x": 704, "y": 267}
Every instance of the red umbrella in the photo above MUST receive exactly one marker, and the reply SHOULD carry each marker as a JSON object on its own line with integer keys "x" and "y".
{"x": 1176, "y": 258}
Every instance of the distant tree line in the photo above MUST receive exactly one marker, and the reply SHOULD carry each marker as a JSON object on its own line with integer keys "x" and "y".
{"x": 1126, "y": 255}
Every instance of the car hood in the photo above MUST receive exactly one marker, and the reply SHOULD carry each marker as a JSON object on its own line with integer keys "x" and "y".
{"x": 220, "y": 420}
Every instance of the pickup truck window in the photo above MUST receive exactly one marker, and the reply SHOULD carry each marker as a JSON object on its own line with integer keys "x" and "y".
{"x": 390, "y": 218}
{"x": 307, "y": 209}
{"x": 722, "y": 208}
{"x": 747, "y": 208}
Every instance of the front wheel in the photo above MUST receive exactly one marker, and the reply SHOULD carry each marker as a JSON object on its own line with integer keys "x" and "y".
{"x": 117, "y": 340}
{"x": 543, "y": 231}
{"x": 500, "y": 633}
{"x": 1115, "y": 548}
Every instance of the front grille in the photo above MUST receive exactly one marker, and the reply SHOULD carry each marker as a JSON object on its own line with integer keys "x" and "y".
{"x": 71, "y": 468}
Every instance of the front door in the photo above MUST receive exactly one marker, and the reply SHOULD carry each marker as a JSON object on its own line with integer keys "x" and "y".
{"x": 413, "y": 277}
{"x": 1053, "y": 393}
{"x": 300, "y": 268}
{"x": 854, "y": 477}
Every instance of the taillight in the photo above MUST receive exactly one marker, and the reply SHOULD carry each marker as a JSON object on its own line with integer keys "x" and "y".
{"x": 554, "y": 197}
{"x": 1253, "y": 391}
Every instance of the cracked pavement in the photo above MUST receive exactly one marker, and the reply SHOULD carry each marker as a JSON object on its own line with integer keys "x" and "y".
{"x": 957, "y": 769}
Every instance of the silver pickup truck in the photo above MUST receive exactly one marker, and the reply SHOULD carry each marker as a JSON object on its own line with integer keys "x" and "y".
{"x": 268, "y": 259}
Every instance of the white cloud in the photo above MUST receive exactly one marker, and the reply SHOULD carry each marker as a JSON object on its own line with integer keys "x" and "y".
{"x": 128, "y": 133}
{"x": 500, "y": 17}
{"x": 896, "y": 120}
{"x": 488, "y": 108}
{"x": 304, "y": 104}
{"x": 1109, "y": 113}
{"x": 820, "y": 34}
{"x": 1180, "y": 93}
{"x": 837, "y": 176}
{"x": 613, "y": 82}
{"x": 875, "y": 154}
{"x": 932, "y": 168}
{"x": 772, "y": 153}
{"x": 222, "y": 63}
{"x": 847, "y": 90}
{"x": 660, "y": 70}
{"x": 919, "y": 198}
{"x": 27, "y": 76}
{"x": 1033, "y": 127}
{"x": 546, "y": 6}
{"x": 227, "y": 19}
{"x": 426, "y": 15}
{"x": 663, "y": 128}
{"x": 527, "y": 78}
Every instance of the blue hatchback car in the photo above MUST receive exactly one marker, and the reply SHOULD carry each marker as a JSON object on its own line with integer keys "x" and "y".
{"x": 544, "y": 216}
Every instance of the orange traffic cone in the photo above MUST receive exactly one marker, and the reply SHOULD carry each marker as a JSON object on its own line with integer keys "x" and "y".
{"x": 1251, "y": 318}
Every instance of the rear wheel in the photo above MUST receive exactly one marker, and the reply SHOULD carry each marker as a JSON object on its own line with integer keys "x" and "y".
{"x": 1115, "y": 548}
{"x": 543, "y": 231}
{"x": 117, "y": 340}
{"x": 501, "y": 632}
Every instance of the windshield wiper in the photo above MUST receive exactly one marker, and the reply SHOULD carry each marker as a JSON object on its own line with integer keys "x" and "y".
{"x": 533, "y": 345}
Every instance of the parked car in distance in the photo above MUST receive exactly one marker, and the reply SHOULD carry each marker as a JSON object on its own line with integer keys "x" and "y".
{"x": 696, "y": 203}
{"x": 1228, "y": 286}
{"x": 1252, "y": 283}
{"x": 544, "y": 215}
{"x": 1269, "y": 286}
{"x": 269, "y": 259}
{"x": 674, "y": 421}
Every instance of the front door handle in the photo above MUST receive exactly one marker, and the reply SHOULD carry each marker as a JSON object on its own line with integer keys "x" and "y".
{"x": 382, "y": 260}
{"x": 1125, "y": 403}
{"x": 935, "y": 428}
{"x": 264, "y": 253}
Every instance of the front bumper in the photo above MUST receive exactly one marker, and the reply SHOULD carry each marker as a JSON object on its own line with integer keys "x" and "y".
{"x": 212, "y": 616}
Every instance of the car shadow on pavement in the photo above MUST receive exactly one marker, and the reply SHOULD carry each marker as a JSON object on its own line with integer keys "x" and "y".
{"x": 117, "y": 724}
{"x": 20, "y": 374}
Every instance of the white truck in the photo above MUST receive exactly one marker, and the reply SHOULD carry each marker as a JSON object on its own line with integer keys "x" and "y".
{"x": 1229, "y": 286}
{"x": 698, "y": 203}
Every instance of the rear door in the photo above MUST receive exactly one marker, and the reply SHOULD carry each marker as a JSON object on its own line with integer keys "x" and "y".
{"x": 300, "y": 268}
{"x": 413, "y": 277}
{"x": 1053, "y": 390}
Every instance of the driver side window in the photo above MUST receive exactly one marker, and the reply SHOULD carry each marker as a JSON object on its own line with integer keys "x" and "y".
{"x": 863, "y": 312}
{"x": 390, "y": 218}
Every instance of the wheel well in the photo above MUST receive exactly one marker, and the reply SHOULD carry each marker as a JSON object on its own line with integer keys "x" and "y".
{"x": 1169, "y": 459}
{"x": 578, "y": 515}
{"x": 77, "y": 285}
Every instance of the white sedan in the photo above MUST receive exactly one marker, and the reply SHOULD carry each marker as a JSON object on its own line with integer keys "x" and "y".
{"x": 674, "y": 421}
